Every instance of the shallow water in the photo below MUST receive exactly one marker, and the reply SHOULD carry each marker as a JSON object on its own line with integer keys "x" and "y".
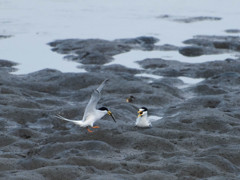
{"x": 187, "y": 81}
{"x": 129, "y": 58}
{"x": 34, "y": 23}
{"x": 37, "y": 58}
{"x": 149, "y": 76}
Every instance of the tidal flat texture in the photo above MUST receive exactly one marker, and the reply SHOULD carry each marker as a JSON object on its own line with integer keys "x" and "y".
{"x": 198, "y": 136}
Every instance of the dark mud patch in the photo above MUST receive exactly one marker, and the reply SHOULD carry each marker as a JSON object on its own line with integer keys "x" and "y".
{"x": 98, "y": 51}
{"x": 216, "y": 42}
{"x": 189, "y": 19}
{"x": 4, "y": 36}
{"x": 232, "y": 31}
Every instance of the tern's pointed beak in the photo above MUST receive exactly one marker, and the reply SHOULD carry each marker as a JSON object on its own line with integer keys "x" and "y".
{"x": 140, "y": 113}
{"x": 110, "y": 114}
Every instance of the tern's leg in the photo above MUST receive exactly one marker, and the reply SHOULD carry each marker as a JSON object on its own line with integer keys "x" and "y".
{"x": 89, "y": 130}
{"x": 95, "y": 127}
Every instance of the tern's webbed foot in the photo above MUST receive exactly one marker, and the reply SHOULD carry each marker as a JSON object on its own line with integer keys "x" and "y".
{"x": 95, "y": 127}
{"x": 89, "y": 130}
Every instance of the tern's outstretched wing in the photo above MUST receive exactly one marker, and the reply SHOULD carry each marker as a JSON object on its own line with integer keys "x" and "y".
{"x": 95, "y": 97}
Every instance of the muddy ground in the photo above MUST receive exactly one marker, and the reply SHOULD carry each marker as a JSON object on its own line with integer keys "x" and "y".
{"x": 198, "y": 136}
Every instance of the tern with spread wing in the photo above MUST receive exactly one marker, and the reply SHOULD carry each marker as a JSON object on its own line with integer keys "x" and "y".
{"x": 91, "y": 113}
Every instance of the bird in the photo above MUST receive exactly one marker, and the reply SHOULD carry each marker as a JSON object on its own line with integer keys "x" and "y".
{"x": 142, "y": 119}
{"x": 91, "y": 113}
{"x": 130, "y": 99}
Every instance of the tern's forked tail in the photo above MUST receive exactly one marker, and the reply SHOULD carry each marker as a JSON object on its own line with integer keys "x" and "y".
{"x": 78, "y": 122}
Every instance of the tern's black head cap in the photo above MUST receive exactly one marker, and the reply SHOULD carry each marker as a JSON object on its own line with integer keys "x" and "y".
{"x": 144, "y": 108}
{"x": 103, "y": 109}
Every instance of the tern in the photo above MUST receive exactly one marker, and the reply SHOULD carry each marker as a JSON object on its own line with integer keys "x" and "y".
{"x": 91, "y": 113}
{"x": 142, "y": 119}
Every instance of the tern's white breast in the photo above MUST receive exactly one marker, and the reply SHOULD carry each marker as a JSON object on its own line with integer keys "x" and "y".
{"x": 143, "y": 121}
{"x": 93, "y": 117}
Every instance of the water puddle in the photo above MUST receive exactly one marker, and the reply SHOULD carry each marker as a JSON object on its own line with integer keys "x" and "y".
{"x": 32, "y": 54}
{"x": 189, "y": 81}
{"x": 149, "y": 76}
{"x": 129, "y": 58}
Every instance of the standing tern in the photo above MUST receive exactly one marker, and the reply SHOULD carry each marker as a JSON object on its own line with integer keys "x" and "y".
{"x": 142, "y": 119}
{"x": 91, "y": 113}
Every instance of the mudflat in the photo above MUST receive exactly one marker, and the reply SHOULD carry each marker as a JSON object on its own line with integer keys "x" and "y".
{"x": 197, "y": 135}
